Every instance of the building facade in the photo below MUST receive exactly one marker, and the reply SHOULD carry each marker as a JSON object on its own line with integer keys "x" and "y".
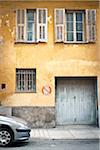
{"x": 50, "y": 61}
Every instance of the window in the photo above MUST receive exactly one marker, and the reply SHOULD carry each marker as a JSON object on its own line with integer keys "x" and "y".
{"x": 31, "y": 25}
{"x": 26, "y": 80}
{"x": 75, "y": 26}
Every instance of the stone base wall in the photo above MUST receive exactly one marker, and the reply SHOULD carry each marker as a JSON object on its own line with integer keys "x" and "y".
{"x": 37, "y": 117}
{"x": 7, "y": 111}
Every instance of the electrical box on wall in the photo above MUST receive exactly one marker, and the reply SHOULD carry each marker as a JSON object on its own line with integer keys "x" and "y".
{"x": 2, "y": 87}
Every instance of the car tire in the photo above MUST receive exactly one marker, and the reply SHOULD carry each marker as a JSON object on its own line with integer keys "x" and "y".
{"x": 6, "y": 137}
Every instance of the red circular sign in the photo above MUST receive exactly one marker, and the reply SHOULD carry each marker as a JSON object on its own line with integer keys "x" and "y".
{"x": 46, "y": 90}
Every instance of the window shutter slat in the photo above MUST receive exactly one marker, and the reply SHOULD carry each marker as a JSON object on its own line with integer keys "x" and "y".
{"x": 59, "y": 25}
{"x": 20, "y": 23}
{"x": 91, "y": 25}
{"x": 42, "y": 25}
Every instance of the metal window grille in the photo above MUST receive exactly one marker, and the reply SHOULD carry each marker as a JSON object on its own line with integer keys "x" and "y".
{"x": 26, "y": 80}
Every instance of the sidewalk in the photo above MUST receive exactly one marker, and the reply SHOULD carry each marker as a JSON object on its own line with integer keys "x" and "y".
{"x": 67, "y": 132}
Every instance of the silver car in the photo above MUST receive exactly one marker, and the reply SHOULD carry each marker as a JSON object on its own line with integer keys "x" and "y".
{"x": 13, "y": 129}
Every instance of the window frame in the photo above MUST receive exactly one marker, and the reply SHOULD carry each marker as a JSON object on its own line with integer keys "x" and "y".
{"x": 74, "y": 26}
{"x": 34, "y": 39}
{"x": 26, "y": 90}
{"x": 89, "y": 26}
{"x": 37, "y": 39}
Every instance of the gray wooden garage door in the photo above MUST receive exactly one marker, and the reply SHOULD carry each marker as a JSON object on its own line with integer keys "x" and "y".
{"x": 76, "y": 101}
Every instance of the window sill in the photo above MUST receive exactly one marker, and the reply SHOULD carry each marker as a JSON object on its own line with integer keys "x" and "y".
{"x": 27, "y": 92}
{"x": 83, "y": 42}
{"x": 28, "y": 42}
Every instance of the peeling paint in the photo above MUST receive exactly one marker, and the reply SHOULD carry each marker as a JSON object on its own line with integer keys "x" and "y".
{"x": 52, "y": 46}
{"x": 13, "y": 32}
{"x": 7, "y": 23}
{"x": 50, "y": 19}
{"x": 7, "y": 15}
{"x": 1, "y": 40}
{"x": 0, "y": 22}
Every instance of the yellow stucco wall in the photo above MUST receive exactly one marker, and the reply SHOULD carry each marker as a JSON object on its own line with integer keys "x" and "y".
{"x": 50, "y": 59}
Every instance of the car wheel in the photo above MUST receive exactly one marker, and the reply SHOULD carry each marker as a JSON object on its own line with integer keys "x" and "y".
{"x": 6, "y": 137}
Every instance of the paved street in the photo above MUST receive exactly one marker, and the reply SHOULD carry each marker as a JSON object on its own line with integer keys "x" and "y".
{"x": 56, "y": 145}
{"x": 61, "y": 138}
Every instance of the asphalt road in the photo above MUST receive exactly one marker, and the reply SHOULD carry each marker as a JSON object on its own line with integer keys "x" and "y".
{"x": 56, "y": 145}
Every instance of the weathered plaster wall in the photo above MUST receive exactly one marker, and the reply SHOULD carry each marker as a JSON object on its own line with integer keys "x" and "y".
{"x": 50, "y": 59}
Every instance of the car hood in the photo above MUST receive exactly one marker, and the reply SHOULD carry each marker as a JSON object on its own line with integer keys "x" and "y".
{"x": 12, "y": 119}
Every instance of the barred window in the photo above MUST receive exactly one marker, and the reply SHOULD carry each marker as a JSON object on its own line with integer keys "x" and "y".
{"x": 26, "y": 80}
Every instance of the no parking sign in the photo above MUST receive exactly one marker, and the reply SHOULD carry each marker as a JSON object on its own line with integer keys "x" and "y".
{"x": 46, "y": 90}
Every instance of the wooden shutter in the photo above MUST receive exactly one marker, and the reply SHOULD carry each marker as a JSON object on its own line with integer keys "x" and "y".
{"x": 91, "y": 25}
{"x": 20, "y": 21}
{"x": 42, "y": 24}
{"x": 59, "y": 25}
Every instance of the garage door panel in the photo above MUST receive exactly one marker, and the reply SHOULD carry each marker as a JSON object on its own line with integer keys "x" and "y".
{"x": 76, "y": 101}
